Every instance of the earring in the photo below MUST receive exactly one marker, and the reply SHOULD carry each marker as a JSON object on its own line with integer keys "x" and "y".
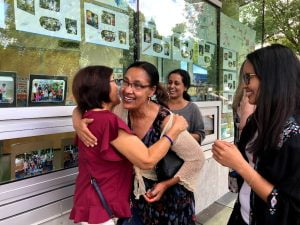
{"x": 149, "y": 99}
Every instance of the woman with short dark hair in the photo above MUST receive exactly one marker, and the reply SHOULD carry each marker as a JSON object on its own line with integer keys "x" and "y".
{"x": 110, "y": 161}
{"x": 155, "y": 202}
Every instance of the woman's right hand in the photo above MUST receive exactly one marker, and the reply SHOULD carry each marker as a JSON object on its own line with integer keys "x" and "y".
{"x": 84, "y": 134}
{"x": 179, "y": 123}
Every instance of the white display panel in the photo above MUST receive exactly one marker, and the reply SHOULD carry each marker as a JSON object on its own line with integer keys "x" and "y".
{"x": 56, "y": 18}
{"x": 154, "y": 44}
{"x": 106, "y": 27}
{"x": 229, "y": 61}
{"x": 182, "y": 48}
{"x": 204, "y": 53}
{"x": 211, "y": 114}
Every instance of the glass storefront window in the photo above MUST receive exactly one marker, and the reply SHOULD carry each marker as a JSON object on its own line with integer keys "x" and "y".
{"x": 43, "y": 43}
{"x": 186, "y": 38}
{"x": 236, "y": 41}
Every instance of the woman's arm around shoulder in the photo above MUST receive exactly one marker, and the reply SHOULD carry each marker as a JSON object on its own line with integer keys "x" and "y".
{"x": 81, "y": 128}
{"x": 141, "y": 156}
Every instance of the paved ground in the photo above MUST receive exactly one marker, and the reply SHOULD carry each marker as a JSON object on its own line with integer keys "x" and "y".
{"x": 219, "y": 212}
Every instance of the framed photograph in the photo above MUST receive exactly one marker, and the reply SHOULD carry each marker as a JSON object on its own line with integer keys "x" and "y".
{"x": 33, "y": 163}
{"x": 7, "y": 89}
{"x": 92, "y": 19}
{"x": 71, "y": 26}
{"x": 45, "y": 90}
{"x": 108, "y": 18}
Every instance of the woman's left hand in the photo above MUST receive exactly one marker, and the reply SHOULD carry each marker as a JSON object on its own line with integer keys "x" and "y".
{"x": 227, "y": 154}
{"x": 156, "y": 192}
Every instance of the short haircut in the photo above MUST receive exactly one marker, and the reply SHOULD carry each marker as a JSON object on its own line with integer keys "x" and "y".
{"x": 91, "y": 87}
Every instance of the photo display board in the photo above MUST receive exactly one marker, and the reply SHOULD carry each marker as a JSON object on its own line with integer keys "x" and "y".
{"x": 55, "y": 18}
{"x": 182, "y": 48}
{"x": 154, "y": 44}
{"x": 229, "y": 61}
{"x": 204, "y": 53}
{"x": 106, "y": 27}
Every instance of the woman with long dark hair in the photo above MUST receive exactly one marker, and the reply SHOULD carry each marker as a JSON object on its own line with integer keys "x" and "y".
{"x": 110, "y": 162}
{"x": 179, "y": 82}
{"x": 155, "y": 203}
{"x": 268, "y": 155}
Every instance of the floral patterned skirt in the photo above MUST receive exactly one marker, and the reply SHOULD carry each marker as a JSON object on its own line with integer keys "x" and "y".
{"x": 176, "y": 207}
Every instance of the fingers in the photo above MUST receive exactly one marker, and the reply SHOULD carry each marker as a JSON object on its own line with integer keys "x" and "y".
{"x": 84, "y": 133}
{"x": 88, "y": 120}
{"x": 180, "y": 120}
{"x": 152, "y": 199}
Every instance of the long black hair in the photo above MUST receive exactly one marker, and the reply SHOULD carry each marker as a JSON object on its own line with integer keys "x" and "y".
{"x": 162, "y": 96}
{"x": 278, "y": 70}
{"x": 186, "y": 80}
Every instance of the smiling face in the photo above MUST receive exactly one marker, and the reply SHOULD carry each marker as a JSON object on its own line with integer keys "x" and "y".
{"x": 252, "y": 89}
{"x": 132, "y": 98}
{"x": 176, "y": 86}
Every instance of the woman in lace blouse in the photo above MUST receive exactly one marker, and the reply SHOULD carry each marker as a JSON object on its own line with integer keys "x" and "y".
{"x": 170, "y": 201}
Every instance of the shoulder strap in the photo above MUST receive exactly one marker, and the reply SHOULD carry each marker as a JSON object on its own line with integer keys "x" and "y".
{"x": 168, "y": 125}
{"x": 101, "y": 197}
{"x": 100, "y": 194}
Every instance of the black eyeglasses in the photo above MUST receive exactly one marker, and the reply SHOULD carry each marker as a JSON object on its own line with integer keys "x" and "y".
{"x": 135, "y": 86}
{"x": 247, "y": 77}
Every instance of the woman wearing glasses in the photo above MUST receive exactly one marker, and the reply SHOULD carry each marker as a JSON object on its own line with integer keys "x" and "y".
{"x": 171, "y": 201}
{"x": 241, "y": 107}
{"x": 109, "y": 162}
{"x": 268, "y": 154}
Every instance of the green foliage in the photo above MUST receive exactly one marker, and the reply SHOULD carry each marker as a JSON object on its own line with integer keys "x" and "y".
{"x": 282, "y": 21}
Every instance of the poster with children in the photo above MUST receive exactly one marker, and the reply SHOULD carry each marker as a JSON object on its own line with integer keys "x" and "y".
{"x": 2, "y": 15}
{"x": 153, "y": 43}
{"x": 106, "y": 27}
{"x": 47, "y": 90}
{"x": 33, "y": 163}
{"x": 7, "y": 89}
{"x": 56, "y": 18}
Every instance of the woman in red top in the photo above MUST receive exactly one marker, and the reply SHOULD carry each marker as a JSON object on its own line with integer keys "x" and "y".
{"x": 110, "y": 161}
